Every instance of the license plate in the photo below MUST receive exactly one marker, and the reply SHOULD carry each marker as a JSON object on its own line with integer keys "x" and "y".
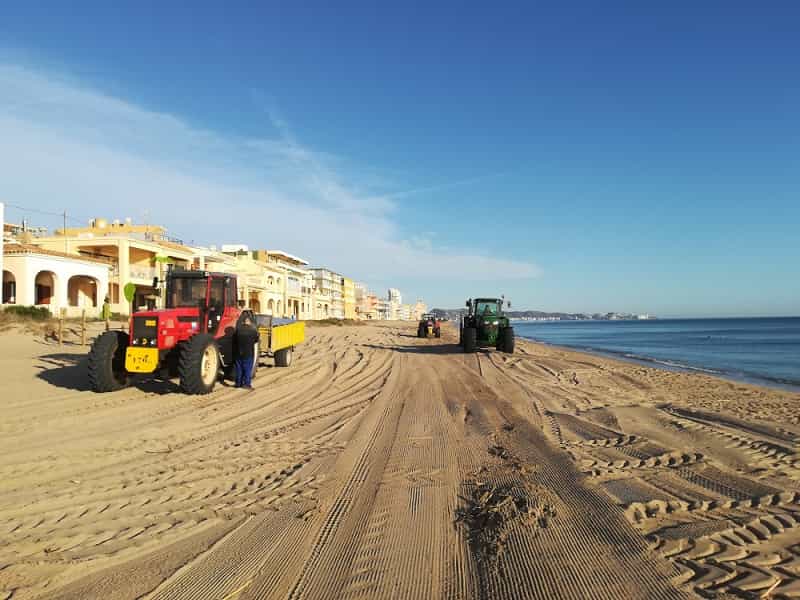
{"x": 141, "y": 360}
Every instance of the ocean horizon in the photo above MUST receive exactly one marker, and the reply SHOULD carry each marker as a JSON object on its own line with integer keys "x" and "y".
{"x": 759, "y": 350}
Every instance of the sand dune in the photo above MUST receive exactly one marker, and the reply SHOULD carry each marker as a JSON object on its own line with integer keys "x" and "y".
{"x": 384, "y": 466}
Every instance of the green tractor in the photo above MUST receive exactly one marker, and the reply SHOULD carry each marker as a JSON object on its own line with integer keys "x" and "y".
{"x": 485, "y": 325}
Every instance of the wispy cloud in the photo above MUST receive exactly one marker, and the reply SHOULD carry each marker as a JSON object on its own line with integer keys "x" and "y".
{"x": 63, "y": 144}
{"x": 443, "y": 186}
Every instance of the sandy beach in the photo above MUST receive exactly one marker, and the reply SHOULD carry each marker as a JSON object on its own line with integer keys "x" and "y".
{"x": 380, "y": 465}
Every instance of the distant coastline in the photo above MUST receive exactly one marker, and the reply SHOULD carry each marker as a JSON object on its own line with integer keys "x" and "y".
{"x": 538, "y": 315}
{"x": 761, "y": 351}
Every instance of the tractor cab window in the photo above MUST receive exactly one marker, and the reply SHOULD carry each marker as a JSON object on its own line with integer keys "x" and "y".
{"x": 230, "y": 292}
{"x": 486, "y": 309}
{"x": 185, "y": 292}
{"x": 215, "y": 298}
{"x": 215, "y": 303}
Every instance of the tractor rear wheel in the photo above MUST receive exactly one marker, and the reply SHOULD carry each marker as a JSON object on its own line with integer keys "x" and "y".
{"x": 420, "y": 331}
{"x": 470, "y": 338}
{"x": 507, "y": 340}
{"x": 198, "y": 365}
{"x": 283, "y": 358}
{"x": 107, "y": 362}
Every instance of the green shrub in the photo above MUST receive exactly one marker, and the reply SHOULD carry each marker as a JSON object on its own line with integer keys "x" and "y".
{"x": 37, "y": 313}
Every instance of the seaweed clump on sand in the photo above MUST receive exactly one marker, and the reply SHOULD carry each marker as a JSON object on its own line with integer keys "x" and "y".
{"x": 491, "y": 511}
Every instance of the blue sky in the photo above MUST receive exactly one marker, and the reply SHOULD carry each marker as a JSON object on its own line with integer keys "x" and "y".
{"x": 590, "y": 157}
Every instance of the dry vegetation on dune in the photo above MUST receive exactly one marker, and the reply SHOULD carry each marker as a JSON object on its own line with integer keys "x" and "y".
{"x": 29, "y": 320}
{"x": 335, "y": 322}
{"x": 382, "y": 465}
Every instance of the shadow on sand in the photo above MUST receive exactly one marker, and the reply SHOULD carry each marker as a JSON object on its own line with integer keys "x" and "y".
{"x": 70, "y": 371}
{"x": 423, "y": 348}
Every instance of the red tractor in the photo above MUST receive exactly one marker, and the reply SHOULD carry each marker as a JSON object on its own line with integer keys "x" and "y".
{"x": 429, "y": 325}
{"x": 193, "y": 337}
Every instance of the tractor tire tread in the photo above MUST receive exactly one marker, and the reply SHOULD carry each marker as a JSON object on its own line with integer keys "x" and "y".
{"x": 189, "y": 364}
{"x": 508, "y": 340}
{"x": 470, "y": 338}
{"x": 102, "y": 356}
{"x": 283, "y": 358}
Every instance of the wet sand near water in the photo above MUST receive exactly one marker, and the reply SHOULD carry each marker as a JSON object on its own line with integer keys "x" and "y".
{"x": 380, "y": 465}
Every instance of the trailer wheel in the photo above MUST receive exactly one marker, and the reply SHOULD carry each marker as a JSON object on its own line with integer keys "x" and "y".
{"x": 107, "y": 362}
{"x": 198, "y": 365}
{"x": 283, "y": 358}
{"x": 470, "y": 338}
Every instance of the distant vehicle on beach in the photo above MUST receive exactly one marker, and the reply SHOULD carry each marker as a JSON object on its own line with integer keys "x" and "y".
{"x": 429, "y": 325}
{"x": 485, "y": 325}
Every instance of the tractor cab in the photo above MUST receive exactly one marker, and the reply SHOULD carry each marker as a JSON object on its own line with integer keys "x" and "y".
{"x": 486, "y": 308}
{"x": 211, "y": 295}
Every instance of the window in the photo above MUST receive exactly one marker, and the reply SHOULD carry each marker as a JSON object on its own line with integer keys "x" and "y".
{"x": 486, "y": 308}
{"x": 230, "y": 291}
{"x": 185, "y": 291}
{"x": 216, "y": 296}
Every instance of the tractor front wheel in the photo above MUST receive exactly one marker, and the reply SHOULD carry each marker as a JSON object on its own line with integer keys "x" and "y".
{"x": 470, "y": 339}
{"x": 437, "y": 332}
{"x": 198, "y": 365}
{"x": 283, "y": 358}
{"x": 107, "y": 362}
{"x": 507, "y": 340}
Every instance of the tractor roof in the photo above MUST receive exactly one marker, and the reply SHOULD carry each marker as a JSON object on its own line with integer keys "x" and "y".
{"x": 488, "y": 300}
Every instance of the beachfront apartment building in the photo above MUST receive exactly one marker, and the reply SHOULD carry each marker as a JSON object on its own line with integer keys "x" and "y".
{"x": 395, "y": 300}
{"x": 321, "y": 304}
{"x": 420, "y": 308}
{"x": 383, "y": 309}
{"x": 337, "y": 296}
{"x": 297, "y": 283}
{"x": 60, "y": 282}
{"x": 136, "y": 254}
{"x": 349, "y": 298}
{"x": 262, "y": 285}
{"x": 403, "y": 312}
{"x": 329, "y": 285}
{"x": 365, "y": 301}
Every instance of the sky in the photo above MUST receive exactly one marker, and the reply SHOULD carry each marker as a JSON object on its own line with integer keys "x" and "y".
{"x": 614, "y": 156}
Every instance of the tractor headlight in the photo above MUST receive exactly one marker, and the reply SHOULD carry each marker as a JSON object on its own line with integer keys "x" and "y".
{"x": 153, "y": 342}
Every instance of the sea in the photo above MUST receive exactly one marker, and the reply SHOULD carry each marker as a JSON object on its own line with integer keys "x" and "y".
{"x": 765, "y": 351}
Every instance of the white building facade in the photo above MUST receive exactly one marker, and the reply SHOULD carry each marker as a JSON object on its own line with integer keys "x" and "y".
{"x": 36, "y": 277}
